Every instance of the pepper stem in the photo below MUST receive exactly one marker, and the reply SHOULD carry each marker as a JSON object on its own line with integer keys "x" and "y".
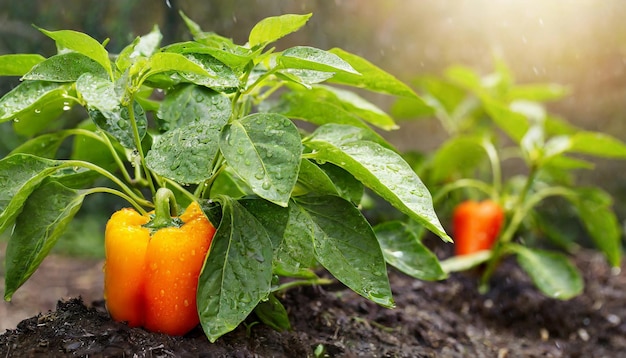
{"x": 165, "y": 212}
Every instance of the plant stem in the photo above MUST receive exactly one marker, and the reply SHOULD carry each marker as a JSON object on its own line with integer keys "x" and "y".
{"x": 462, "y": 183}
{"x": 137, "y": 139}
{"x": 137, "y": 207}
{"x": 136, "y": 199}
{"x": 519, "y": 212}
{"x": 297, "y": 283}
{"x": 496, "y": 171}
{"x": 164, "y": 208}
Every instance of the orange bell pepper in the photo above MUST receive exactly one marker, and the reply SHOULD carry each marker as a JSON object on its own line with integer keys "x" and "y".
{"x": 151, "y": 276}
{"x": 476, "y": 226}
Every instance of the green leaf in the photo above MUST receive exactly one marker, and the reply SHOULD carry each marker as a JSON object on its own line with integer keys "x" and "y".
{"x": 221, "y": 76}
{"x": 144, "y": 46}
{"x": 45, "y": 145}
{"x": 551, "y": 272}
{"x": 33, "y": 101}
{"x": 378, "y": 168}
{"x": 273, "y": 314}
{"x": 98, "y": 93}
{"x": 347, "y": 186}
{"x": 186, "y": 154}
{"x": 237, "y": 272}
{"x": 235, "y": 57}
{"x": 20, "y": 174}
{"x": 18, "y": 64}
{"x": 369, "y": 76}
{"x": 312, "y": 179}
{"x": 273, "y": 28}
{"x": 81, "y": 43}
{"x": 345, "y": 244}
{"x": 514, "y": 124}
{"x": 188, "y": 103}
{"x": 305, "y": 78}
{"x": 363, "y": 108}
{"x": 597, "y": 144}
{"x": 46, "y": 213}
{"x": 264, "y": 149}
{"x": 458, "y": 155}
{"x": 65, "y": 67}
{"x": 539, "y": 92}
{"x": 310, "y": 58}
{"x": 291, "y": 234}
{"x": 403, "y": 250}
{"x": 117, "y": 123}
{"x": 600, "y": 221}
{"x": 168, "y": 61}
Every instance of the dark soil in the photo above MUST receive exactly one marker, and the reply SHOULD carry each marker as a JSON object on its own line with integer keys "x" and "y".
{"x": 432, "y": 319}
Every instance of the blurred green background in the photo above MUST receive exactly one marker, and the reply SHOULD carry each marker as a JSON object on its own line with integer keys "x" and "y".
{"x": 577, "y": 43}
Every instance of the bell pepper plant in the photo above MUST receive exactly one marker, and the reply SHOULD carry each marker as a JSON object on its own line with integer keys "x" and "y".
{"x": 210, "y": 125}
{"x": 492, "y": 121}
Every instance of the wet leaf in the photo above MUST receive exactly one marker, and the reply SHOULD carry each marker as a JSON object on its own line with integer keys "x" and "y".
{"x": 20, "y": 174}
{"x": 378, "y": 168}
{"x": 25, "y": 103}
{"x": 403, "y": 250}
{"x": 345, "y": 244}
{"x": 53, "y": 206}
{"x": 369, "y": 76}
{"x": 65, "y": 67}
{"x": 188, "y": 103}
{"x": 264, "y": 149}
{"x": 311, "y": 58}
{"x": 81, "y": 43}
{"x": 186, "y": 154}
{"x": 237, "y": 273}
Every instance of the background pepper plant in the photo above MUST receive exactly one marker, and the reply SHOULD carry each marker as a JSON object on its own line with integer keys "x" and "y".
{"x": 492, "y": 122}
{"x": 213, "y": 121}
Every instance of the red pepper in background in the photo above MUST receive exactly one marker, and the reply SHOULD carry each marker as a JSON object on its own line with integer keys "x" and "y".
{"x": 476, "y": 226}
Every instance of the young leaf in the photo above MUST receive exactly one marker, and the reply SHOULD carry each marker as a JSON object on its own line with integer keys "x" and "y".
{"x": 378, "y": 168}
{"x": 20, "y": 174}
{"x": 598, "y": 144}
{"x": 403, "y": 250}
{"x": 46, "y": 213}
{"x": 551, "y": 272}
{"x": 237, "y": 272}
{"x": 273, "y": 28}
{"x": 514, "y": 124}
{"x": 81, "y": 43}
{"x": 65, "y": 67}
{"x": 264, "y": 149}
{"x": 144, "y": 46}
{"x": 346, "y": 246}
{"x": 235, "y": 57}
{"x": 273, "y": 314}
{"x": 458, "y": 155}
{"x": 311, "y": 58}
{"x": 537, "y": 92}
{"x": 26, "y": 101}
{"x": 370, "y": 77}
{"x": 18, "y": 64}
{"x": 186, "y": 154}
{"x": 594, "y": 209}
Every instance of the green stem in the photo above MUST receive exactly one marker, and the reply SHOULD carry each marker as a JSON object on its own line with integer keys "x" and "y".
{"x": 136, "y": 199}
{"x": 496, "y": 170}
{"x": 297, "y": 283}
{"x": 137, "y": 207}
{"x": 164, "y": 208}
{"x": 180, "y": 188}
{"x": 137, "y": 139}
{"x": 501, "y": 248}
